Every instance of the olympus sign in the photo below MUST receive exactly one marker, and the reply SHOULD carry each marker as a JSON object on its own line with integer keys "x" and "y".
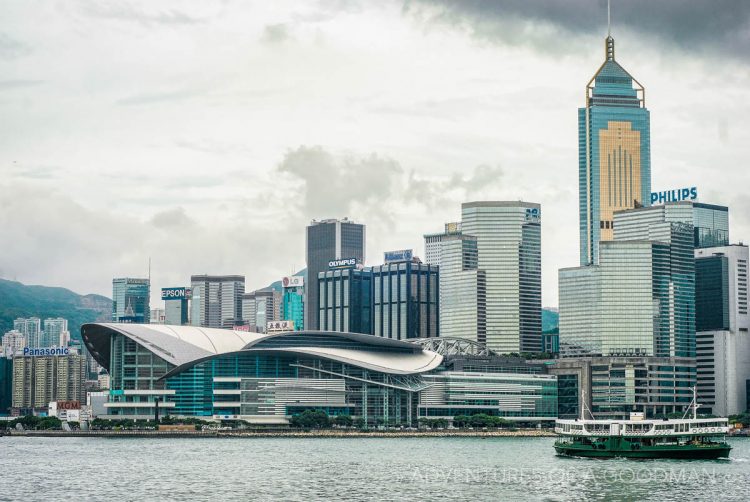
{"x": 343, "y": 263}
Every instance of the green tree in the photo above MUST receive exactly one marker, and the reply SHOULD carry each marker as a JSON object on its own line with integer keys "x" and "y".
{"x": 310, "y": 419}
{"x": 343, "y": 420}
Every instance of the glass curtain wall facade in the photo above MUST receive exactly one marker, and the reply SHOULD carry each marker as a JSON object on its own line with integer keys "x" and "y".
{"x": 509, "y": 253}
{"x": 518, "y": 396}
{"x": 217, "y": 300}
{"x": 711, "y": 225}
{"x": 131, "y": 300}
{"x": 328, "y": 240}
{"x": 463, "y": 289}
{"x": 345, "y": 300}
{"x": 293, "y": 306}
{"x": 712, "y": 293}
{"x": 405, "y": 300}
{"x": 616, "y": 386}
{"x": 671, "y": 224}
{"x": 614, "y": 145}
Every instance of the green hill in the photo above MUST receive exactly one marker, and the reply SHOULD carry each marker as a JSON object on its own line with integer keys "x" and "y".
{"x": 18, "y": 300}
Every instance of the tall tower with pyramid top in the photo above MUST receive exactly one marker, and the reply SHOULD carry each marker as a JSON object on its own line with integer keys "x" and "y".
{"x": 614, "y": 152}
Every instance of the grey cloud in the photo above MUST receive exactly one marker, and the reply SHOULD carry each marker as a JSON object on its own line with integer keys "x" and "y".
{"x": 331, "y": 184}
{"x": 93, "y": 245}
{"x": 720, "y": 25}
{"x": 129, "y": 12}
{"x": 457, "y": 187}
{"x": 172, "y": 218}
{"x": 11, "y": 48}
{"x": 275, "y": 34}
{"x": 19, "y": 84}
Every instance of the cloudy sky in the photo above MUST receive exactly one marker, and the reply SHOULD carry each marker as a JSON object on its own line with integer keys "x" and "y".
{"x": 206, "y": 135}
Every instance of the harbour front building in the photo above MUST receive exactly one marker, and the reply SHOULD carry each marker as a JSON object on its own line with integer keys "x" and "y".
{"x": 268, "y": 378}
{"x": 261, "y": 378}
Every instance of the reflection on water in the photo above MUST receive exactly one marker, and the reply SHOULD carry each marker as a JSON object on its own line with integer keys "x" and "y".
{"x": 334, "y": 468}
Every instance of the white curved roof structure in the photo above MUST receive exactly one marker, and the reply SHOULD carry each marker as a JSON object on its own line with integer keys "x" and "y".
{"x": 186, "y": 346}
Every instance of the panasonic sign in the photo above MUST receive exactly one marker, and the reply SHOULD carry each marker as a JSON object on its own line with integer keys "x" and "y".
{"x": 342, "y": 263}
{"x": 47, "y": 351}
{"x": 674, "y": 195}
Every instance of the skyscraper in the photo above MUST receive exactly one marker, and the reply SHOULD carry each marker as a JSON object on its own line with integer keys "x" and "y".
{"x": 55, "y": 332}
{"x": 131, "y": 300}
{"x": 217, "y": 300}
{"x": 260, "y": 307}
{"x": 640, "y": 299}
{"x": 432, "y": 242}
{"x": 510, "y": 254}
{"x": 328, "y": 240}
{"x": 345, "y": 300}
{"x": 722, "y": 325}
{"x": 31, "y": 329}
{"x": 614, "y": 152}
{"x": 463, "y": 289}
{"x": 41, "y": 379}
{"x": 405, "y": 299}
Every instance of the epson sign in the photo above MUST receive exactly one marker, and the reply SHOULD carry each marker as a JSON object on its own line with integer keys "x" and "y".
{"x": 175, "y": 293}
{"x": 342, "y": 263}
{"x": 674, "y": 195}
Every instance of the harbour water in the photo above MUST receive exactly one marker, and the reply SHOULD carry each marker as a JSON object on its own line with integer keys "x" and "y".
{"x": 135, "y": 469}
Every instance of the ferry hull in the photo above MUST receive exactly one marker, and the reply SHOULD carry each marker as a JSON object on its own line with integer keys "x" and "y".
{"x": 680, "y": 452}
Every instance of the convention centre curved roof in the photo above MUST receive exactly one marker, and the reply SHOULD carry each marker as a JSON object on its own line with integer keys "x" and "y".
{"x": 186, "y": 346}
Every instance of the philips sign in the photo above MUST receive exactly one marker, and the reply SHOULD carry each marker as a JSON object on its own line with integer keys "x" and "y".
{"x": 674, "y": 195}
{"x": 401, "y": 255}
{"x": 176, "y": 293}
{"x": 48, "y": 351}
{"x": 343, "y": 263}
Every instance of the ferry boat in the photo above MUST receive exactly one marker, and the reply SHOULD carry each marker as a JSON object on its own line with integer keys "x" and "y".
{"x": 688, "y": 438}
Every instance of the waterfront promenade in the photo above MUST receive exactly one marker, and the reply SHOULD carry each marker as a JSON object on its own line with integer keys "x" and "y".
{"x": 324, "y": 433}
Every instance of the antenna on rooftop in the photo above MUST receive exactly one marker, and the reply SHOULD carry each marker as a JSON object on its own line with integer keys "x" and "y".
{"x": 609, "y": 20}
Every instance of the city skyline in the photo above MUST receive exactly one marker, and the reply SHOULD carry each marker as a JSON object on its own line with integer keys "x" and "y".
{"x": 186, "y": 147}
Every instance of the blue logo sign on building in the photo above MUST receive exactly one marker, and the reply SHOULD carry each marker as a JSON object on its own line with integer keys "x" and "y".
{"x": 400, "y": 255}
{"x": 533, "y": 214}
{"x": 176, "y": 293}
{"x": 674, "y": 195}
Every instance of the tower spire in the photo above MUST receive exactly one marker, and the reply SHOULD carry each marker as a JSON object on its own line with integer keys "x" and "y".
{"x": 609, "y": 44}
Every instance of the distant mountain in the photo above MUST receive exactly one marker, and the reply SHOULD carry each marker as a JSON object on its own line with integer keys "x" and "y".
{"x": 550, "y": 319}
{"x": 18, "y": 300}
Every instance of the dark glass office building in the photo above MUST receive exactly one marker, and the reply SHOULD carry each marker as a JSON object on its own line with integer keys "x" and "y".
{"x": 345, "y": 300}
{"x": 712, "y": 293}
{"x": 328, "y": 240}
{"x": 405, "y": 300}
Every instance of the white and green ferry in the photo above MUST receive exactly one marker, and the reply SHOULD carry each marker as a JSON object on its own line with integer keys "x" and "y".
{"x": 689, "y": 438}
